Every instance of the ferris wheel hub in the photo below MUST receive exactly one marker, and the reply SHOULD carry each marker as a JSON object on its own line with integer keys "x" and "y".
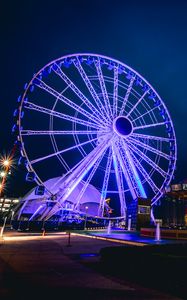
{"x": 122, "y": 126}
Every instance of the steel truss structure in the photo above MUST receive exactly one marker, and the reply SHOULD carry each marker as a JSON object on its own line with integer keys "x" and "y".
{"x": 91, "y": 118}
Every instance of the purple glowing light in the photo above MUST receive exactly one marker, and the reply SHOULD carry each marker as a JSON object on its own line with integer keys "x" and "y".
{"x": 109, "y": 118}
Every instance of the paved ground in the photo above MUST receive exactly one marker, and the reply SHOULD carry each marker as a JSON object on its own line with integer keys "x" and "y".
{"x": 50, "y": 266}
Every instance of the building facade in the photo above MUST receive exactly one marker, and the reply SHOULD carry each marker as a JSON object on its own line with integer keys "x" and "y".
{"x": 172, "y": 208}
{"x": 7, "y": 205}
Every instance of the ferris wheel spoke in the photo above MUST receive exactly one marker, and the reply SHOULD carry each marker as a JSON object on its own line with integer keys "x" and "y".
{"x": 90, "y": 88}
{"x": 147, "y": 147}
{"x": 144, "y": 173}
{"x": 55, "y": 147}
{"x": 95, "y": 167}
{"x": 103, "y": 88}
{"x": 105, "y": 184}
{"x": 119, "y": 181}
{"x": 89, "y": 160}
{"x": 54, "y": 113}
{"x": 154, "y": 200}
{"x": 124, "y": 168}
{"x": 69, "y": 171}
{"x": 137, "y": 103}
{"x": 62, "y": 151}
{"x": 77, "y": 91}
{"x": 149, "y": 125}
{"x": 74, "y": 179}
{"x": 150, "y": 137}
{"x": 146, "y": 113}
{"x": 126, "y": 96}
{"x": 66, "y": 101}
{"x": 57, "y": 132}
{"x": 115, "y": 92}
{"x": 147, "y": 159}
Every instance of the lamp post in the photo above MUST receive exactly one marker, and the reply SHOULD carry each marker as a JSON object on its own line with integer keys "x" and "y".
{"x": 85, "y": 218}
{"x": 12, "y": 215}
{"x": 2, "y": 229}
{"x": 5, "y": 164}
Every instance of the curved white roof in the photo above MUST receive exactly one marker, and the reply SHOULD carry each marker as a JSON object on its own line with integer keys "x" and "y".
{"x": 90, "y": 195}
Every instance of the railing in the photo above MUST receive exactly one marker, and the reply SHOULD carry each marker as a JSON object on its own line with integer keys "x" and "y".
{"x": 165, "y": 233}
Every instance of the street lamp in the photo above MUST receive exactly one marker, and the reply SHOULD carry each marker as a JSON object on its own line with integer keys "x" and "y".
{"x": 6, "y": 163}
{"x": 3, "y": 227}
{"x": 85, "y": 218}
{"x": 3, "y": 174}
{"x": 12, "y": 215}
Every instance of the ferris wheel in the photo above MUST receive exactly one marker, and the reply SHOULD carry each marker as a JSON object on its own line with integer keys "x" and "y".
{"x": 92, "y": 119}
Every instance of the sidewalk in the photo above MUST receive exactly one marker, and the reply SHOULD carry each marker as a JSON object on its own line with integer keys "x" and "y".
{"x": 52, "y": 266}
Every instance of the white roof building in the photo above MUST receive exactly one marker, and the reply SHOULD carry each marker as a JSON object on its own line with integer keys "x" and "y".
{"x": 89, "y": 202}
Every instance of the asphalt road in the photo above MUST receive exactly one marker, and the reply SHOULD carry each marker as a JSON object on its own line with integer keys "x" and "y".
{"x": 50, "y": 266}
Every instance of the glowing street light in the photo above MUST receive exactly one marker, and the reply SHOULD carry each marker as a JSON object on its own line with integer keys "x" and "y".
{"x": 6, "y": 163}
{"x": 3, "y": 174}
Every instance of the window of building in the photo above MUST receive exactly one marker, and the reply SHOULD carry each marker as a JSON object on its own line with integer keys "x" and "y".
{"x": 143, "y": 209}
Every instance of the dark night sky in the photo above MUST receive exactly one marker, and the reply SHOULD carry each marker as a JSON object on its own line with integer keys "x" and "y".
{"x": 149, "y": 36}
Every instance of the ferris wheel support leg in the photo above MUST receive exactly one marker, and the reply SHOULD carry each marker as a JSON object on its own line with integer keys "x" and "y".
{"x": 36, "y": 211}
{"x": 119, "y": 181}
{"x": 152, "y": 217}
{"x": 134, "y": 172}
{"x": 105, "y": 185}
{"x": 46, "y": 211}
{"x": 124, "y": 169}
{"x": 79, "y": 173}
{"x": 96, "y": 165}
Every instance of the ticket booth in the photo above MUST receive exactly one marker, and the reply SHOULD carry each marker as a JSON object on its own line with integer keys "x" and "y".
{"x": 139, "y": 213}
{"x": 143, "y": 213}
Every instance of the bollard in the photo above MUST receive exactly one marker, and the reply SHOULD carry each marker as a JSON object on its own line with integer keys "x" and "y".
{"x": 3, "y": 227}
{"x": 109, "y": 227}
{"x": 157, "y": 232}
{"x": 129, "y": 223}
{"x": 69, "y": 236}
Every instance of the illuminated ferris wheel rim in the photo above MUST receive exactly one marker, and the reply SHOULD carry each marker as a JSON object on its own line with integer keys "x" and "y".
{"x": 100, "y": 56}
{"x": 123, "y": 118}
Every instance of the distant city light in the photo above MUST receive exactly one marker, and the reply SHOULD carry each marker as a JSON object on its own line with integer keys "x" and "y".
{"x": 3, "y": 174}
{"x": 6, "y": 164}
{"x": 6, "y": 161}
